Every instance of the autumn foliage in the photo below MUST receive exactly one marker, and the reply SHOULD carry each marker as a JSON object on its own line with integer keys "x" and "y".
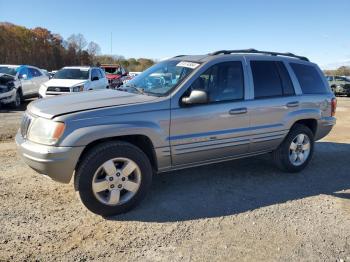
{"x": 47, "y": 50}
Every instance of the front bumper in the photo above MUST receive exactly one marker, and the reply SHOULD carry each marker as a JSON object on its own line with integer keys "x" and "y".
{"x": 56, "y": 162}
{"x": 8, "y": 97}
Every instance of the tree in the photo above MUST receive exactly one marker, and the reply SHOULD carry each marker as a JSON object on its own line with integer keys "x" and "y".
{"x": 77, "y": 41}
{"x": 93, "y": 49}
{"x": 44, "y": 49}
{"x": 341, "y": 71}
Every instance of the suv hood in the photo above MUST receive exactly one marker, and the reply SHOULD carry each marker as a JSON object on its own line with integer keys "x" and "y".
{"x": 65, "y": 82}
{"x": 89, "y": 100}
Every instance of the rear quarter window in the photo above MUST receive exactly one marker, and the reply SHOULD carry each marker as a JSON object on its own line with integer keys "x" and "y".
{"x": 309, "y": 79}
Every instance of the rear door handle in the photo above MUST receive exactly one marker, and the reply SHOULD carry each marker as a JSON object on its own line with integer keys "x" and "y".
{"x": 293, "y": 104}
{"x": 238, "y": 111}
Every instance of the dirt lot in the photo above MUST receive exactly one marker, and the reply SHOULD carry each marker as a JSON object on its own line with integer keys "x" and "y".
{"x": 245, "y": 209}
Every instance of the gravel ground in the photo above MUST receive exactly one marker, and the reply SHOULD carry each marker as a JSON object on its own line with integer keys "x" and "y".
{"x": 240, "y": 210}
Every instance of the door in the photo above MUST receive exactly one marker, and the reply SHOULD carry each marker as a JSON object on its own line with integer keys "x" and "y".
{"x": 215, "y": 130}
{"x": 103, "y": 83}
{"x": 95, "y": 79}
{"x": 26, "y": 79}
{"x": 273, "y": 105}
{"x": 37, "y": 79}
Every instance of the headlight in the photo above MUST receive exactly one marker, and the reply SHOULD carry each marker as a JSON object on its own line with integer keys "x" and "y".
{"x": 78, "y": 88}
{"x": 44, "y": 131}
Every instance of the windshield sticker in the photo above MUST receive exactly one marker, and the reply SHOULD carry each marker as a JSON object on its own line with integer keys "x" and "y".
{"x": 84, "y": 69}
{"x": 188, "y": 64}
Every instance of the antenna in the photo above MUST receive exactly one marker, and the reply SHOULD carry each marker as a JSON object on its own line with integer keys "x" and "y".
{"x": 111, "y": 43}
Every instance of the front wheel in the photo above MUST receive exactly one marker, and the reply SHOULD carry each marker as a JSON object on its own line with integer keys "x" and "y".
{"x": 295, "y": 152}
{"x": 17, "y": 102}
{"x": 113, "y": 177}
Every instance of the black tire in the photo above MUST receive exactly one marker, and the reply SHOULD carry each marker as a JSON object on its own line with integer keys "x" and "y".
{"x": 94, "y": 159}
{"x": 281, "y": 154}
{"x": 18, "y": 100}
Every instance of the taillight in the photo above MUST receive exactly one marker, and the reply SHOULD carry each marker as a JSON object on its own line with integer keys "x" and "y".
{"x": 334, "y": 106}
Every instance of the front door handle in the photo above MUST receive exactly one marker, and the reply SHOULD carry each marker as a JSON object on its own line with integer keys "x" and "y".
{"x": 293, "y": 104}
{"x": 238, "y": 111}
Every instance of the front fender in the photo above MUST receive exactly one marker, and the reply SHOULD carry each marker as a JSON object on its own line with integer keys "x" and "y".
{"x": 88, "y": 134}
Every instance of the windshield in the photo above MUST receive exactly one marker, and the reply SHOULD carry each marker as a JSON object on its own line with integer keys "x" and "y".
{"x": 162, "y": 77}
{"x": 8, "y": 70}
{"x": 112, "y": 70}
{"x": 72, "y": 73}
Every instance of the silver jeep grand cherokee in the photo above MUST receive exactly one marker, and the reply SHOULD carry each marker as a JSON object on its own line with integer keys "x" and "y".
{"x": 182, "y": 112}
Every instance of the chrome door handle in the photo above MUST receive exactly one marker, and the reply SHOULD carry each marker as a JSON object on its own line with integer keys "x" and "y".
{"x": 293, "y": 104}
{"x": 238, "y": 111}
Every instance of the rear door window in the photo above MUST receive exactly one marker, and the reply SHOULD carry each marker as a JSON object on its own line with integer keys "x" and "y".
{"x": 271, "y": 79}
{"x": 309, "y": 79}
{"x": 34, "y": 72}
{"x": 267, "y": 82}
{"x": 287, "y": 85}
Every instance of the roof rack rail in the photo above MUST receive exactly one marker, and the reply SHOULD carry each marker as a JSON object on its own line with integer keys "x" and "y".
{"x": 254, "y": 51}
{"x": 178, "y": 56}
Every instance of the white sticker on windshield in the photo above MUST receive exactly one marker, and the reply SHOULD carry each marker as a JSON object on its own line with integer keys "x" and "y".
{"x": 84, "y": 69}
{"x": 188, "y": 64}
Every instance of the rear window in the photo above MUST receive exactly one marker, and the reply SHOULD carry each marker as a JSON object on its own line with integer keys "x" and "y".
{"x": 309, "y": 79}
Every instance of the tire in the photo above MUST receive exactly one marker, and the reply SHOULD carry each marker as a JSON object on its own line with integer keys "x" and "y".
{"x": 283, "y": 156}
{"x": 18, "y": 100}
{"x": 92, "y": 170}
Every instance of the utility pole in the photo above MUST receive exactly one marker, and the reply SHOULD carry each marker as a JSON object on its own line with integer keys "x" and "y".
{"x": 111, "y": 43}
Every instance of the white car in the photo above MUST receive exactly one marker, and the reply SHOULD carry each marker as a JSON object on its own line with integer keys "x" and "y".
{"x": 74, "y": 79}
{"x": 24, "y": 79}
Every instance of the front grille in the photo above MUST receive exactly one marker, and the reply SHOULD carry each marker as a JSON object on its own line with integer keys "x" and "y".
{"x": 58, "y": 89}
{"x": 26, "y": 120}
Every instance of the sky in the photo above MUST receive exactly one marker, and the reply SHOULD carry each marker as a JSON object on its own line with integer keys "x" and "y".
{"x": 318, "y": 29}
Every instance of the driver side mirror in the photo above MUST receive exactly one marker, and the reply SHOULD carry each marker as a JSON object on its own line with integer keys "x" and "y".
{"x": 196, "y": 97}
{"x": 24, "y": 77}
{"x": 95, "y": 78}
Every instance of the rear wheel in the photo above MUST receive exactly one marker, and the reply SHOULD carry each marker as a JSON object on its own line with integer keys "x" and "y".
{"x": 295, "y": 152}
{"x": 113, "y": 177}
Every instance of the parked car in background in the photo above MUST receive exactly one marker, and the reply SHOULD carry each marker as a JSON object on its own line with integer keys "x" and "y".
{"x": 182, "y": 112}
{"x": 52, "y": 73}
{"x": 9, "y": 87}
{"x": 115, "y": 74}
{"x": 27, "y": 80}
{"x": 130, "y": 76}
{"x": 73, "y": 79}
{"x": 46, "y": 73}
{"x": 340, "y": 85}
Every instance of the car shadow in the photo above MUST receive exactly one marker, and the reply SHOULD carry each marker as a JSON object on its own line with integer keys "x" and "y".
{"x": 238, "y": 186}
{"x": 8, "y": 109}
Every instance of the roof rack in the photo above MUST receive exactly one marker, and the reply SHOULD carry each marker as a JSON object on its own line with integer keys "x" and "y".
{"x": 254, "y": 51}
{"x": 178, "y": 56}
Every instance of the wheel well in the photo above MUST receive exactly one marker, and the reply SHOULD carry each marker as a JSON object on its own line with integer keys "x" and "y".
{"x": 310, "y": 123}
{"x": 141, "y": 141}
